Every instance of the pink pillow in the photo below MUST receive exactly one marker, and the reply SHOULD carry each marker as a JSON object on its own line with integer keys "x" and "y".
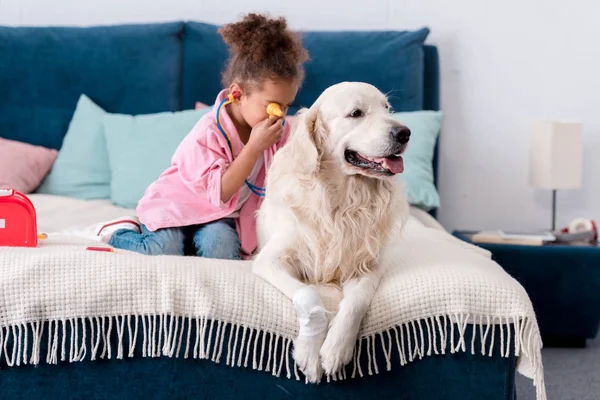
{"x": 200, "y": 105}
{"x": 24, "y": 166}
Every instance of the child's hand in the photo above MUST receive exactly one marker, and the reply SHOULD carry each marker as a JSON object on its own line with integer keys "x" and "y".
{"x": 265, "y": 134}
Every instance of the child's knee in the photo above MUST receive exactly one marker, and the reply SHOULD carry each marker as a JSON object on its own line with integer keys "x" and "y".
{"x": 223, "y": 251}
{"x": 218, "y": 240}
{"x": 168, "y": 242}
{"x": 172, "y": 248}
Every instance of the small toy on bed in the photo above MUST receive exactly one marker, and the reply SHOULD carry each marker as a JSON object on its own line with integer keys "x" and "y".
{"x": 101, "y": 249}
{"x": 18, "y": 224}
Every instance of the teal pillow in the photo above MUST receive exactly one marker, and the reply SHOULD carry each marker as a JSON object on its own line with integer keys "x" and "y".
{"x": 116, "y": 156}
{"x": 81, "y": 168}
{"x": 140, "y": 148}
{"x": 418, "y": 159}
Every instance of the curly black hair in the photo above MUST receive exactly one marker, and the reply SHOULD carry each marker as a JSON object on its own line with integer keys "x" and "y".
{"x": 262, "y": 48}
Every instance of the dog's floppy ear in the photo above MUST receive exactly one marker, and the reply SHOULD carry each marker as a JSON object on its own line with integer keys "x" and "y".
{"x": 308, "y": 137}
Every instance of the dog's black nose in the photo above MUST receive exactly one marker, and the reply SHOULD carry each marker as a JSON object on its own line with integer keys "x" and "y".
{"x": 400, "y": 133}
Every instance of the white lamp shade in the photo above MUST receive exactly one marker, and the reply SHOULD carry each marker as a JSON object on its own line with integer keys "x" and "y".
{"x": 556, "y": 159}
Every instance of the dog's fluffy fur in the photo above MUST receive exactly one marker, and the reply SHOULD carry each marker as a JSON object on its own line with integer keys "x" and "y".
{"x": 325, "y": 220}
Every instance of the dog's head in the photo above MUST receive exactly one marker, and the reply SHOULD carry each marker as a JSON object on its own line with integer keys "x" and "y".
{"x": 351, "y": 124}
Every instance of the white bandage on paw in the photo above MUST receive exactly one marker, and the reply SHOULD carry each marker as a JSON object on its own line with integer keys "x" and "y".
{"x": 312, "y": 316}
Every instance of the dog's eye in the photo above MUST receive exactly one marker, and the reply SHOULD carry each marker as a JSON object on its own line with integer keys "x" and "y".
{"x": 357, "y": 113}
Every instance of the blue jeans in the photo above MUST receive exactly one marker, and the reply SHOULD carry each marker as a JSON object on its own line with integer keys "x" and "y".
{"x": 217, "y": 239}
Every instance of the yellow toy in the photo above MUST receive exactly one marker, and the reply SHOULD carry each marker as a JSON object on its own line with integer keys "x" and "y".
{"x": 273, "y": 109}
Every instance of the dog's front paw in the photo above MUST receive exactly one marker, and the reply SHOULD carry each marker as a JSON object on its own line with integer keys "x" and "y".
{"x": 338, "y": 347}
{"x": 306, "y": 354}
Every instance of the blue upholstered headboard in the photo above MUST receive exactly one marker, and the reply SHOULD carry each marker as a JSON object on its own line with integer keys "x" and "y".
{"x": 148, "y": 68}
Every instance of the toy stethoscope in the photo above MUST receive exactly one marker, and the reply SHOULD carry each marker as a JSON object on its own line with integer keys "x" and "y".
{"x": 272, "y": 109}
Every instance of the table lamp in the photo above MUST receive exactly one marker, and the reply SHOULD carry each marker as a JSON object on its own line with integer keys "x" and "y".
{"x": 556, "y": 158}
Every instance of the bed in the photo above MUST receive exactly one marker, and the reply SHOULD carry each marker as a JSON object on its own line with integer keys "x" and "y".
{"x": 112, "y": 365}
{"x": 446, "y": 324}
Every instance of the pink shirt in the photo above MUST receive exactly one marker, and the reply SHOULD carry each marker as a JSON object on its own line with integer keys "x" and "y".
{"x": 189, "y": 191}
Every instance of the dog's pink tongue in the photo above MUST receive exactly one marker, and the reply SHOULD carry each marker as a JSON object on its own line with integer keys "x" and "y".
{"x": 395, "y": 165}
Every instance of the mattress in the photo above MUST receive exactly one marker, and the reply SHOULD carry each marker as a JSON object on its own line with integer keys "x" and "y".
{"x": 66, "y": 214}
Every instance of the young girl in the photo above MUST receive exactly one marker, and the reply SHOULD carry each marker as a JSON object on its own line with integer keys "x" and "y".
{"x": 206, "y": 201}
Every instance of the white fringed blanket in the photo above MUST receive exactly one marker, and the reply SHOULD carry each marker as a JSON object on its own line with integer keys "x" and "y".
{"x": 64, "y": 293}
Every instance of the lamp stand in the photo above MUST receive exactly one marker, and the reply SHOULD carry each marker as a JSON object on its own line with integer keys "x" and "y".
{"x": 553, "y": 210}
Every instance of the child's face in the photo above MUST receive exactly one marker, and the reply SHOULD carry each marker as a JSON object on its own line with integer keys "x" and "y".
{"x": 253, "y": 106}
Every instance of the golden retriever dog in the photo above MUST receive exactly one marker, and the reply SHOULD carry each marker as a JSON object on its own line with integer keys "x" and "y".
{"x": 331, "y": 204}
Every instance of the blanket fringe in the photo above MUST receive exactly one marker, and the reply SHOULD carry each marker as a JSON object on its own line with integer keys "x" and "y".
{"x": 72, "y": 340}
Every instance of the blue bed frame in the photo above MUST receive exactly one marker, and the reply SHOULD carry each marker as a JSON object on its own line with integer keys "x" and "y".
{"x": 449, "y": 376}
